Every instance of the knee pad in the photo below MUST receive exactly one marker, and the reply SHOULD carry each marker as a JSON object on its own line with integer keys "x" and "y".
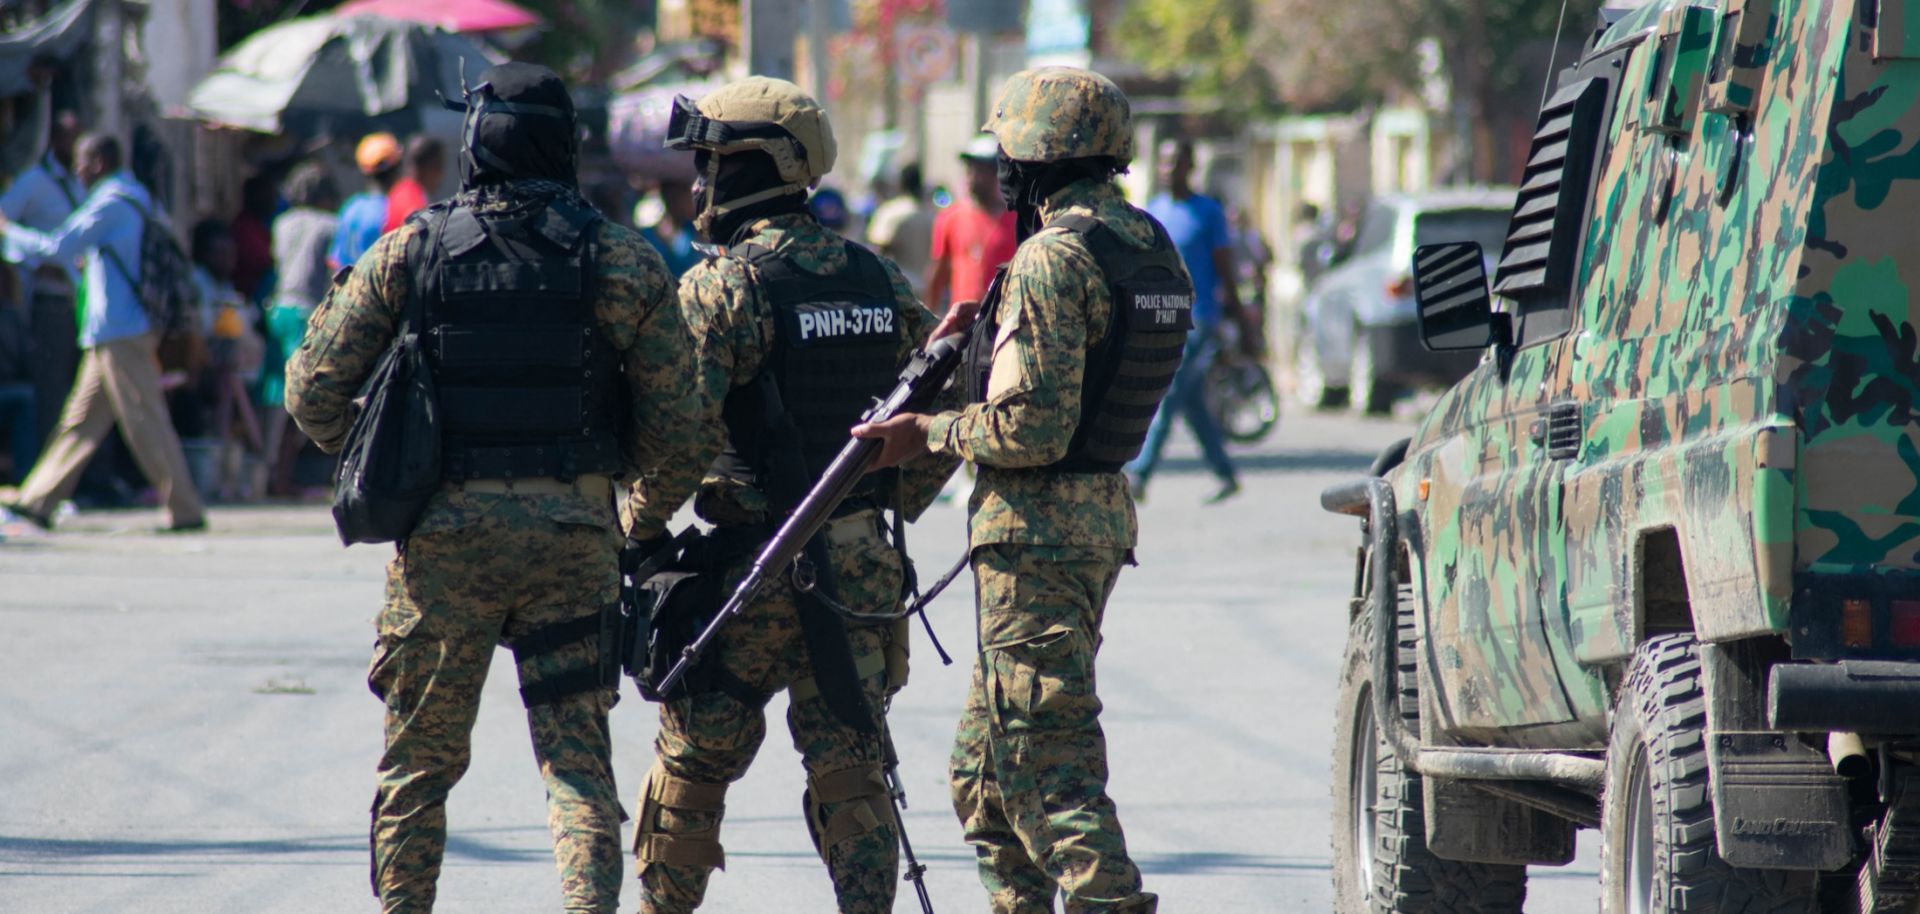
{"x": 862, "y": 790}
{"x": 652, "y": 844}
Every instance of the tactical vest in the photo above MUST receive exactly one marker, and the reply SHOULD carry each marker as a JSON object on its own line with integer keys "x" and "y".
{"x": 836, "y": 347}
{"x": 528, "y": 385}
{"x": 1127, "y": 374}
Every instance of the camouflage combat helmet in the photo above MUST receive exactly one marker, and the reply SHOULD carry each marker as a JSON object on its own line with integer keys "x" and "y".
{"x": 1048, "y": 114}
{"x": 756, "y": 114}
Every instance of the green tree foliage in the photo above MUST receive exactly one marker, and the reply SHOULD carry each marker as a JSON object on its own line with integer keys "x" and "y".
{"x": 586, "y": 40}
{"x": 1208, "y": 44}
{"x": 1339, "y": 55}
{"x": 240, "y": 18}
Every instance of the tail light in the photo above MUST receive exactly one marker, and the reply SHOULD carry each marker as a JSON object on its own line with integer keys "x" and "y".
{"x": 1866, "y": 616}
{"x": 1903, "y": 622}
{"x": 1400, "y": 287}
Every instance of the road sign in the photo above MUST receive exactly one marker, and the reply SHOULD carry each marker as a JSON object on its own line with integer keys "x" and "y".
{"x": 926, "y": 52}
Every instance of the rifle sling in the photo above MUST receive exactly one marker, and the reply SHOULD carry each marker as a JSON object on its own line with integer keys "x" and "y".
{"x": 821, "y": 629}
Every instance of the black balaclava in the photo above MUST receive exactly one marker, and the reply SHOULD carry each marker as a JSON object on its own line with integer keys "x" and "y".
{"x": 1025, "y": 185}
{"x": 520, "y": 126}
{"x": 743, "y": 174}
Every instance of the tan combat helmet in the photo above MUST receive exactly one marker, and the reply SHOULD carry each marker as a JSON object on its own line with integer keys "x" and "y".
{"x": 762, "y": 114}
{"x": 1047, "y": 114}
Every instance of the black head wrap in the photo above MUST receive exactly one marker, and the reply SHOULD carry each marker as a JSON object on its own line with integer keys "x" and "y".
{"x": 520, "y": 126}
{"x": 743, "y": 175}
{"x": 1025, "y": 185}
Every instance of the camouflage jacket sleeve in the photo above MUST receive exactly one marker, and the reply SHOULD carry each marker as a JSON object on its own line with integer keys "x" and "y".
{"x": 1046, "y": 318}
{"x": 345, "y": 337}
{"x": 922, "y": 478}
{"x": 667, "y": 436}
{"x": 722, "y": 349}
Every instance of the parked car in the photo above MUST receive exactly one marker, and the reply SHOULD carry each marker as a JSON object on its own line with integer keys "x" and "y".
{"x": 1357, "y": 342}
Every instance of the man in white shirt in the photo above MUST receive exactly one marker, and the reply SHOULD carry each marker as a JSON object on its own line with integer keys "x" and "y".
{"x": 902, "y": 228}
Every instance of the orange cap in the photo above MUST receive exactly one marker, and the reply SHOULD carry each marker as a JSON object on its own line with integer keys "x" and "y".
{"x": 376, "y": 153}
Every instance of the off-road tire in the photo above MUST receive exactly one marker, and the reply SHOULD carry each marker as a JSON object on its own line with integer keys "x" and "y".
{"x": 1405, "y": 877}
{"x": 1659, "y": 727}
{"x": 1310, "y": 385}
{"x": 1368, "y": 394}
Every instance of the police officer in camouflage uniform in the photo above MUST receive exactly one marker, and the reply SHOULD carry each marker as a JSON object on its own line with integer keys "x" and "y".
{"x": 1077, "y": 356}
{"x": 561, "y": 366}
{"x": 798, "y": 330}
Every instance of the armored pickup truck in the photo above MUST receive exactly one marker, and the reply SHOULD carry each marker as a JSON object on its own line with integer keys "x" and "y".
{"x": 1653, "y": 568}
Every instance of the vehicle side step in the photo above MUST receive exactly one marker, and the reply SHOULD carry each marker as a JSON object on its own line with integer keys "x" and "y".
{"x": 1580, "y": 772}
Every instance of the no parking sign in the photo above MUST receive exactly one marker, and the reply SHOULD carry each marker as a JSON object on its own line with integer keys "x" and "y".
{"x": 926, "y": 52}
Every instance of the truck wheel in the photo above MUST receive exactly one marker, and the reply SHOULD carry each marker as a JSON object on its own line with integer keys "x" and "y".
{"x": 1660, "y": 855}
{"x": 1310, "y": 385}
{"x": 1368, "y": 393}
{"x": 1380, "y": 860}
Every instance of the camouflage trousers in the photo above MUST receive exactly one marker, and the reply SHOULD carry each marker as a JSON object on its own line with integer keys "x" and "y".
{"x": 707, "y": 740}
{"x": 1029, "y": 767}
{"x": 453, "y": 595}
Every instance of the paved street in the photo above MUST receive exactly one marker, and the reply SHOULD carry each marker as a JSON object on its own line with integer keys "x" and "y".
{"x": 186, "y": 726}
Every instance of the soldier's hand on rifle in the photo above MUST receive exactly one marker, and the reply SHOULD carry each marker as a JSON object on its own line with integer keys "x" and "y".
{"x": 902, "y": 438}
{"x": 960, "y": 315}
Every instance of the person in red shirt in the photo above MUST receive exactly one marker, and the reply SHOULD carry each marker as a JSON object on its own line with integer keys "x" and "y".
{"x": 974, "y": 236}
{"x": 253, "y": 236}
{"x": 426, "y": 165}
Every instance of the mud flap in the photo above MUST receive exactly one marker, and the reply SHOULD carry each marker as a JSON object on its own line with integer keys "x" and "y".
{"x": 1468, "y": 824}
{"x": 1777, "y": 803}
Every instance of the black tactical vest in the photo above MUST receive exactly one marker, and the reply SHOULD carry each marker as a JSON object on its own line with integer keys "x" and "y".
{"x": 1127, "y": 374}
{"x": 836, "y": 347}
{"x": 528, "y": 385}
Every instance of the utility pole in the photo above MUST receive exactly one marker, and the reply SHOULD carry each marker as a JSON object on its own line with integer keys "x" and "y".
{"x": 767, "y": 28}
{"x": 819, "y": 27}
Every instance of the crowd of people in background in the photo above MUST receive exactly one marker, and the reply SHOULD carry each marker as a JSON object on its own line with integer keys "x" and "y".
{"x": 196, "y": 398}
{"x": 199, "y": 407}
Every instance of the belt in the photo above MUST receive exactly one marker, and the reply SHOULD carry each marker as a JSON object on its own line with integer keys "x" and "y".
{"x": 593, "y": 488}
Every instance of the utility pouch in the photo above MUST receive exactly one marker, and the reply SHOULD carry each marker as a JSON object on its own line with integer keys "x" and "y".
{"x": 670, "y": 609}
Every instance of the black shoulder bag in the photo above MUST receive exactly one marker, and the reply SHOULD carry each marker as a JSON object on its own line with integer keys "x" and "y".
{"x": 390, "y": 465}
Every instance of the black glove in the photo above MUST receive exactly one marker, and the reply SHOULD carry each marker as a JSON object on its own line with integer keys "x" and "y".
{"x": 638, "y": 553}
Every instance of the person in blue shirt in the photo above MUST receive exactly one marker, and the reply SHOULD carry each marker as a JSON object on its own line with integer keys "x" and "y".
{"x": 119, "y": 379}
{"x": 37, "y": 352}
{"x": 364, "y": 214}
{"x": 1198, "y": 226}
{"x": 673, "y": 234}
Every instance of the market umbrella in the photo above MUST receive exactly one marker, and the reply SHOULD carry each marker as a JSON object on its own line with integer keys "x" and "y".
{"x": 336, "y": 75}
{"x": 452, "y": 15}
{"x": 54, "y": 36}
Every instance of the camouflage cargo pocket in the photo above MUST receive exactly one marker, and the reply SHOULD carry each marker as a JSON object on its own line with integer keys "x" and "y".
{"x": 1043, "y": 683}
{"x": 1027, "y": 592}
{"x": 395, "y": 622}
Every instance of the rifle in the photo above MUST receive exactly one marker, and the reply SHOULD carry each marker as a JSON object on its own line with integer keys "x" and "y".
{"x": 916, "y": 871}
{"x": 923, "y": 377}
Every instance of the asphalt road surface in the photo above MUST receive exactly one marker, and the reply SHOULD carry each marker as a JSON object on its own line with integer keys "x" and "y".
{"x": 186, "y": 727}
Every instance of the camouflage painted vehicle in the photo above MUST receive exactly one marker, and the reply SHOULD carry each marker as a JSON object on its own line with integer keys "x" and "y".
{"x": 1654, "y": 567}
